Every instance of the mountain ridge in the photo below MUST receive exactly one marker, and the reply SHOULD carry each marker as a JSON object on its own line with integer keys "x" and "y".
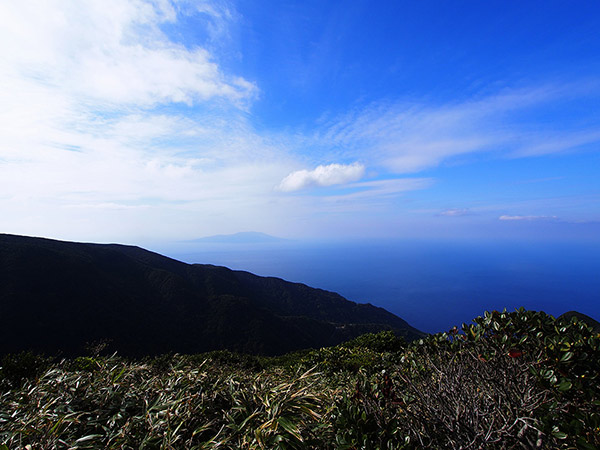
{"x": 58, "y": 296}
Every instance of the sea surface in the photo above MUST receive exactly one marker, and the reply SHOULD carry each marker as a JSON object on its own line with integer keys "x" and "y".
{"x": 432, "y": 285}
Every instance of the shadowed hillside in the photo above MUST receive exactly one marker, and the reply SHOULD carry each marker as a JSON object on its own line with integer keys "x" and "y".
{"x": 61, "y": 296}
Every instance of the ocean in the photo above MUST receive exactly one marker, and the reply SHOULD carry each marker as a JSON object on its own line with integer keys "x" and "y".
{"x": 432, "y": 285}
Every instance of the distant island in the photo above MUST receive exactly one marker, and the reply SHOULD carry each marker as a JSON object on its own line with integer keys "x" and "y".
{"x": 244, "y": 237}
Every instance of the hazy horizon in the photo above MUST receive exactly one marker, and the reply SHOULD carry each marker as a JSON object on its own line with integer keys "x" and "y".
{"x": 432, "y": 285}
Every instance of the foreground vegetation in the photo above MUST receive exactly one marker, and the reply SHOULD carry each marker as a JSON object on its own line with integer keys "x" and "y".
{"x": 508, "y": 380}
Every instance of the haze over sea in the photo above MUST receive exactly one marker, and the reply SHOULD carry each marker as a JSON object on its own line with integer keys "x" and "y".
{"x": 432, "y": 285}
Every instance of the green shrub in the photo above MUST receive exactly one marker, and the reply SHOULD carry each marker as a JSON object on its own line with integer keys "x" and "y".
{"x": 85, "y": 363}
{"x": 18, "y": 367}
{"x": 368, "y": 417}
{"x": 231, "y": 360}
{"x": 520, "y": 379}
{"x": 384, "y": 341}
{"x": 369, "y": 352}
{"x": 508, "y": 380}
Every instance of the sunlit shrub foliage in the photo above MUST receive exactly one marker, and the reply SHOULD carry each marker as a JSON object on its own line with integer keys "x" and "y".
{"x": 508, "y": 380}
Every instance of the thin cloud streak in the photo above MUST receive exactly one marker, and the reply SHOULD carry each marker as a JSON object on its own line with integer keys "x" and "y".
{"x": 527, "y": 218}
{"x": 381, "y": 189}
{"x": 412, "y": 137}
{"x": 457, "y": 212}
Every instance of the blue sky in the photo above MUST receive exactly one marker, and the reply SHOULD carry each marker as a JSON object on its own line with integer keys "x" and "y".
{"x": 136, "y": 121}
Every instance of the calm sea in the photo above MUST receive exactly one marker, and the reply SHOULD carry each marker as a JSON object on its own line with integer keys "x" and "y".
{"x": 432, "y": 285}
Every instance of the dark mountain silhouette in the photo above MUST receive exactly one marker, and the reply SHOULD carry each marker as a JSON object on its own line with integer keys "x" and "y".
{"x": 60, "y": 296}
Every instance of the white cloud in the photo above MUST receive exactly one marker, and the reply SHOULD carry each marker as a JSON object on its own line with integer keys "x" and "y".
{"x": 456, "y": 212}
{"x": 97, "y": 136}
{"x": 556, "y": 142}
{"x": 105, "y": 206}
{"x": 110, "y": 52}
{"x": 322, "y": 176}
{"x": 380, "y": 189}
{"x": 408, "y": 137}
{"x": 507, "y": 217}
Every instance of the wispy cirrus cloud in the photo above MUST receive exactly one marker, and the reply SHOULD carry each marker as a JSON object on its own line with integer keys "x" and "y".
{"x": 378, "y": 190}
{"x": 408, "y": 137}
{"x": 553, "y": 142}
{"x": 527, "y": 218}
{"x": 456, "y": 212}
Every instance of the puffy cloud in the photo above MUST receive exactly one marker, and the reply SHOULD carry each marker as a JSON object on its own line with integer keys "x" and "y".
{"x": 322, "y": 176}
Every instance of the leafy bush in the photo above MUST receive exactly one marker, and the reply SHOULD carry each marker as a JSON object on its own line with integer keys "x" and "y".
{"x": 507, "y": 380}
{"x": 86, "y": 364}
{"x": 15, "y": 368}
{"x": 233, "y": 360}
{"x": 369, "y": 352}
{"x": 384, "y": 341}
{"x": 368, "y": 417}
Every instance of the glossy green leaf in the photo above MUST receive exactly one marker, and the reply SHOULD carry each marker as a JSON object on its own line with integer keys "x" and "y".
{"x": 566, "y": 357}
{"x": 565, "y": 386}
